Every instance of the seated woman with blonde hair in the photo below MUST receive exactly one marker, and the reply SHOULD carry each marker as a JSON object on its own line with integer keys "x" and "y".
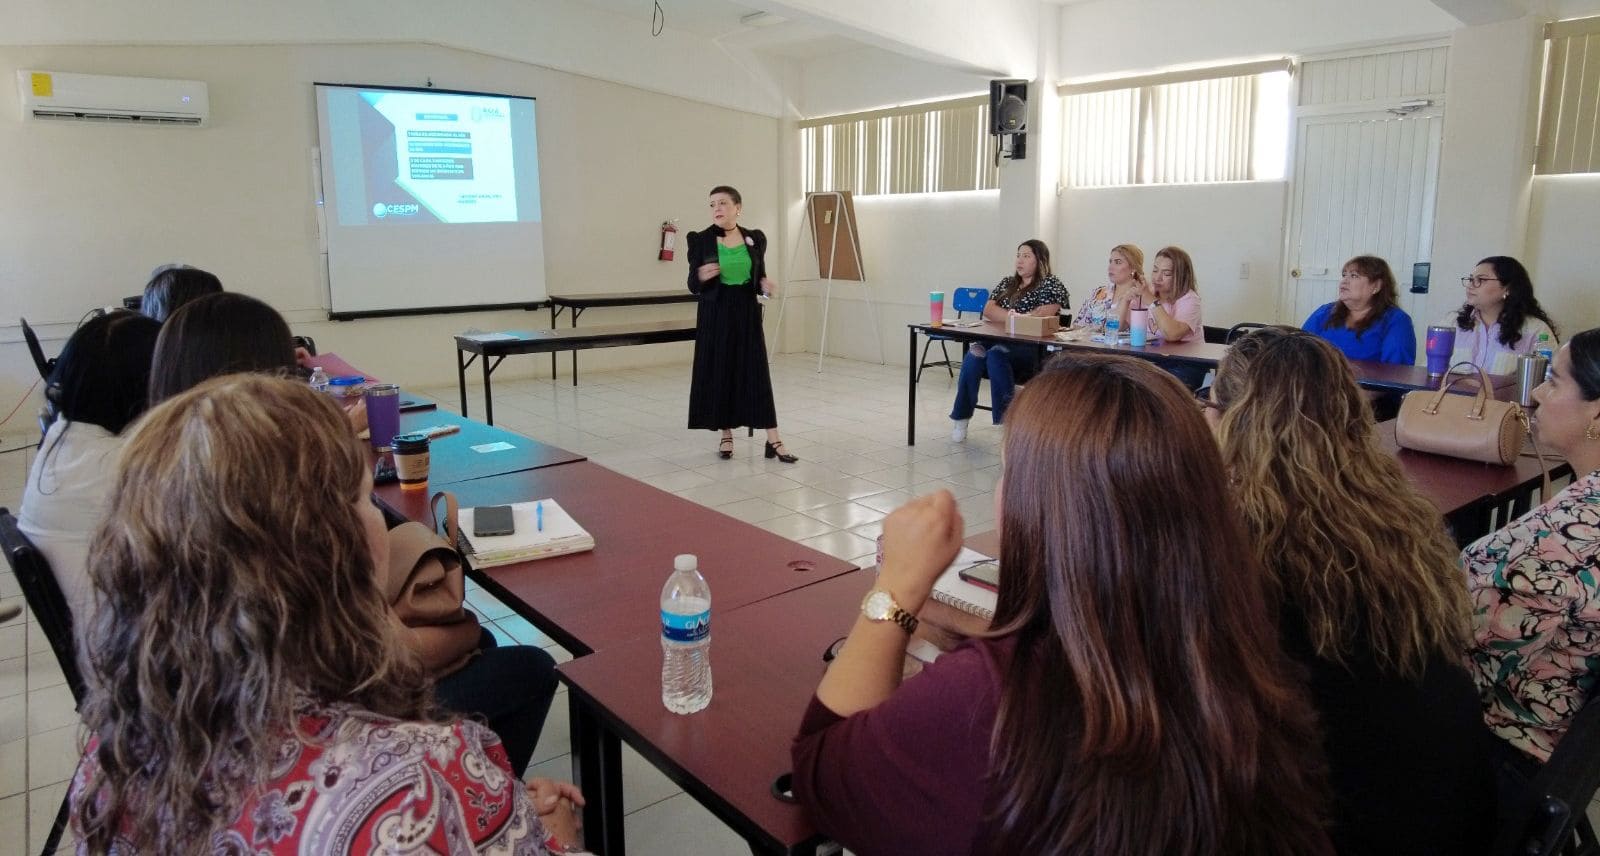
{"x": 244, "y": 689}
{"x": 1131, "y": 696}
{"x": 1370, "y": 596}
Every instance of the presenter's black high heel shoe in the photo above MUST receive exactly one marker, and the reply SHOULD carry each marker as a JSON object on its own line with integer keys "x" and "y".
{"x": 725, "y": 448}
{"x": 776, "y": 450}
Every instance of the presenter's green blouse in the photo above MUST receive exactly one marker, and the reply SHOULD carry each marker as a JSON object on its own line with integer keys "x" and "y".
{"x": 735, "y": 262}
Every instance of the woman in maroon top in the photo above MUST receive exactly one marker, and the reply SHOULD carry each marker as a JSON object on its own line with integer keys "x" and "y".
{"x": 1131, "y": 698}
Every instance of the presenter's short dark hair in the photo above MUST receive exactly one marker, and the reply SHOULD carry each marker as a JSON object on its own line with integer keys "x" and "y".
{"x": 732, "y": 194}
{"x": 171, "y": 286}
{"x": 216, "y": 335}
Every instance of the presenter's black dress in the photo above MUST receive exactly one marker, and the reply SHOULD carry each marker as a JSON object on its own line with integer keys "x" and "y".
{"x": 731, "y": 386}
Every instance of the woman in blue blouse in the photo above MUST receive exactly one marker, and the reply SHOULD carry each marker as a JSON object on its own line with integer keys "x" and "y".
{"x": 1030, "y": 290}
{"x": 1366, "y": 322}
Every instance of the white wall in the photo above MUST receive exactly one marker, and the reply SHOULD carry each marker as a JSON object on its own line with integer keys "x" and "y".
{"x": 1108, "y": 37}
{"x": 96, "y": 207}
{"x": 871, "y": 78}
{"x": 993, "y": 37}
{"x": 1222, "y": 226}
{"x": 1560, "y": 251}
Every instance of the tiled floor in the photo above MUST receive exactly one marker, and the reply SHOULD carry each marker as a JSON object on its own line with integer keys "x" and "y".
{"x": 846, "y": 423}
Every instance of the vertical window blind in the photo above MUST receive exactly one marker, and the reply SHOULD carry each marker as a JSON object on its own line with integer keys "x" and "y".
{"x": 1569, "y": 112}
{"x": 1179, "y": 128}
{"x": 926, "y": 148}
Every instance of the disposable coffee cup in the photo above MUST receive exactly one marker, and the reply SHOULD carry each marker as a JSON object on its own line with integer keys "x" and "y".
{"x": 411, "y": 460}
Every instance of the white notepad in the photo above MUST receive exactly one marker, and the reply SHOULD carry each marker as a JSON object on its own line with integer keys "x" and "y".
{"x": 952, "y": 590}
{"x": 561, "y": 535}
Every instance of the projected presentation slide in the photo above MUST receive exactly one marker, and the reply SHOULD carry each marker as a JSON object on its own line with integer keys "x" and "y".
{"x": 406, "y": 157}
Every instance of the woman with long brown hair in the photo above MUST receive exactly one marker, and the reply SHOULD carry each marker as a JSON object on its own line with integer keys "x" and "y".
{"x": 1366, "y": 322}
{"x": 1131, "y": 696}
{"x": 1031, "y": 289}
{"x": 245, "y": 689}
{"x": 1373, "y": 602}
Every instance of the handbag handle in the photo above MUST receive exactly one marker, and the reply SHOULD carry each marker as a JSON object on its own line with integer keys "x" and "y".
{"x": 1479, "y": 401}
{"x": 452, "y": 512}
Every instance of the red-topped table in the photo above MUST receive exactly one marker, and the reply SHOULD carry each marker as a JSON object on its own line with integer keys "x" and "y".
{"x": 766, "y": 660}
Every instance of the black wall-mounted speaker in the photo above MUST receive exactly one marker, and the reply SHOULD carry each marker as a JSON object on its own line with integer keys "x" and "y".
{"x": 1008, "y": 106}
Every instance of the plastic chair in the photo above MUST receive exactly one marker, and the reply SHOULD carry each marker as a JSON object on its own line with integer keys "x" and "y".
{"x": 1238, "y": 330}
{"x": 1550, "y": 816}
{"x": 49, "y": 606}
{"x": 963, "y": 300}
{"x": 1215, "y": 335}
{"x": 36, "y": 351}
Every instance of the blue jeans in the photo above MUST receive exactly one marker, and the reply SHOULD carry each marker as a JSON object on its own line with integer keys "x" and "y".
{"x": 510, "y": 688}
{"x": 1001, "y": 365}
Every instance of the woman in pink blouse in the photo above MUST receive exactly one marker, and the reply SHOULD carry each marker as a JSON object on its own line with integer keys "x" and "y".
{"x": 1536, "y": 583}
{"x": 245, "y": 691}
{"x": 1501, "y": 319}
{"x": 1132, "y": 696}
{"x": 1174, "y": 298}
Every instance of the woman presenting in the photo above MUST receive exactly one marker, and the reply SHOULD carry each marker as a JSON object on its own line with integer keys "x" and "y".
{"x": 731, "y": 385}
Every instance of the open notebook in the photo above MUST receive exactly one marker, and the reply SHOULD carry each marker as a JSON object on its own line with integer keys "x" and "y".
{"x": 952, "y": 590}
{"x": 561, "y": 535}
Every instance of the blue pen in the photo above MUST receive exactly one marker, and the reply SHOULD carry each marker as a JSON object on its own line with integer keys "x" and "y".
{"x": 538, "y": 515}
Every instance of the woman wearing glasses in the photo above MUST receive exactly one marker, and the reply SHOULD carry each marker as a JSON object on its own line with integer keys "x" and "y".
{"x": 1501, "y": 319}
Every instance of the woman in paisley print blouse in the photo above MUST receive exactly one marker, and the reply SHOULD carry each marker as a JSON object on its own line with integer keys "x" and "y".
{"x": 244, "y": 693}
{"x": 1536, "y": 583}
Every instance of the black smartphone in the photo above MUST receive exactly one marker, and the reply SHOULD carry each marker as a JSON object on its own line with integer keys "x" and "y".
{"x": 983, "y": 574}
{"x": 384, "y": 472}
{"x": 490, "y": 520}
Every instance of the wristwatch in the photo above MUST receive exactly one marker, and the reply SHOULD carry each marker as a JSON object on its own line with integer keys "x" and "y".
{"x": 879, "y": 605}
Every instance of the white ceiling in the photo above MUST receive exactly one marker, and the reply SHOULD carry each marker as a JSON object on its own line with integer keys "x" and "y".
{"x": 719, "y": 20}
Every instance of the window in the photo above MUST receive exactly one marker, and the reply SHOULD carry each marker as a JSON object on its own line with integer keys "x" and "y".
{"x": 1568, "y": 112}
{"x": 926, "y": 148}
{"x": 1228, "y": 124}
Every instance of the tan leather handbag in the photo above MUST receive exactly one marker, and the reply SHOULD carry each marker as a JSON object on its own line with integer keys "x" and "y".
{"x": 1477, "y": 427}
{"x": 426, "y": 589}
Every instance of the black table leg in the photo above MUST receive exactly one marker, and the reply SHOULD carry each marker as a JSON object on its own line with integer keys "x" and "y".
{"x": 599, "y": 774}
{"x": 575, "y": 313}
{"x": 461, "y": 379}
{"x": 555, "y": 312}
{"x": 911, "y": 393}
{"x": 488, "y": 395}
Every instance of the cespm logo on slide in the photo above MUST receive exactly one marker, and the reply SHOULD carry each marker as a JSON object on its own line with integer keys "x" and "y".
{"x": 380, "y": 210}
{"x": 479, "y": 114}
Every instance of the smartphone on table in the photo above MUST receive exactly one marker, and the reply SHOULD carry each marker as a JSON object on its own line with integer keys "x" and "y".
{"x": 489, "y": 520}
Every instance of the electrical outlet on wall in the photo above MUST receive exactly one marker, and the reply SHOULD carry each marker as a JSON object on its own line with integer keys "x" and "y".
{"x": 1244, "y": 270}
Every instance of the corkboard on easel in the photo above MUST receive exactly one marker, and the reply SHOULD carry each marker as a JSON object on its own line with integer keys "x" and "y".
{"x": 832, "y": 214}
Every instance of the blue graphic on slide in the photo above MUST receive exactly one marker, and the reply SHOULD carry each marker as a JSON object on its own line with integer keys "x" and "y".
{"x": 437, "y": 157}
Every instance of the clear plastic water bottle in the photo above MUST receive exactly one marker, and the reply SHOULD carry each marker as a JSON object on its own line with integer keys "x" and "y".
{"x": 1113, "y": 330}
{"x": 1544, "y": 348}
{"x": 686, "y": 638}
{"x": 319, "y": 379}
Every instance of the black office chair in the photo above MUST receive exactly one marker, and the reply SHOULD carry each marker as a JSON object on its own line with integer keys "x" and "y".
{"x": 49, "y": 606}
{"x": 37, "y": 352}
{"x": 1550, "y": 816}
{"x": 1240, "y": 329}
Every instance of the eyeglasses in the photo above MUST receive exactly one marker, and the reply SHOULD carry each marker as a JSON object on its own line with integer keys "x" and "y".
{"x": 1468, "y": 281}
{"x": 1202, "y": 397}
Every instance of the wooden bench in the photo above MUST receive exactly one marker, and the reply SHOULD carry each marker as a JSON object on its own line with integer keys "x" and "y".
{"x": 494, "y": 347}
{"x": 579, "y": 302}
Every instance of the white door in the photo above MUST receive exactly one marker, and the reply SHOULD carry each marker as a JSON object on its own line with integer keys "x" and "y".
{"x": 1365, "y": 183}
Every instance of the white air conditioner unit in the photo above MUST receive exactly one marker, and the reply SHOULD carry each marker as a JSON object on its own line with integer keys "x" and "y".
{"x": 102, "y": 98}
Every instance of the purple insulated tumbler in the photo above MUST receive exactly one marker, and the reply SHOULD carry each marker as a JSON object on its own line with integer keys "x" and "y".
{"x": 1441, "y": 344}
{"x": 383, "y": 414}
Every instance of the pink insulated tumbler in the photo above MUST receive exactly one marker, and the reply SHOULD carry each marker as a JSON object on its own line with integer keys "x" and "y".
{"x": 936, "y": 308}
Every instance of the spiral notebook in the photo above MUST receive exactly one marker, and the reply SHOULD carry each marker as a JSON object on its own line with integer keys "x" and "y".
{"x": 952, "y": 590}
{"x": 560, "y": 535}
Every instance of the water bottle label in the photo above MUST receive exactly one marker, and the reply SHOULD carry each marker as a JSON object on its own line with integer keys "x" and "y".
{"x": 685, "y": 628}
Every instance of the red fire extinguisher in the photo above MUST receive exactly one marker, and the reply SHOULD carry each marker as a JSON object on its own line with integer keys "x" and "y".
{"x": 669, "y": 233}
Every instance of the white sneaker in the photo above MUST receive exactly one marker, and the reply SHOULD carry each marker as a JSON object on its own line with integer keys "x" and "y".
{"x": 958, "y": 430}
